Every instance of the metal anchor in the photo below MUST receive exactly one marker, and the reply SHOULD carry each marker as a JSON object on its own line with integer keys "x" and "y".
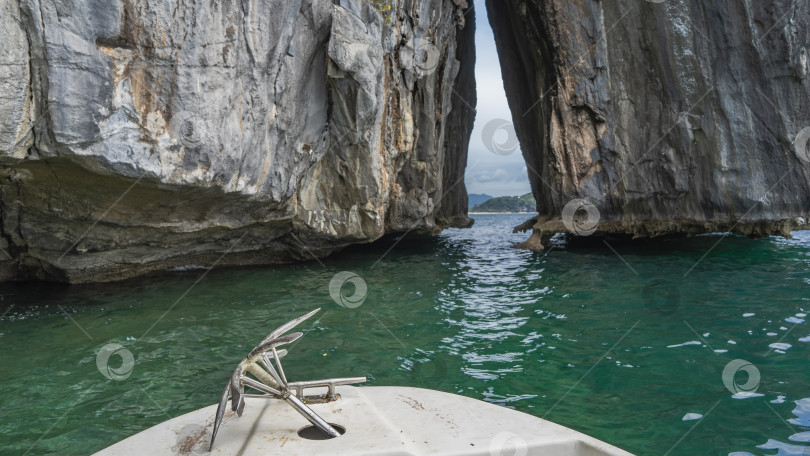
{"x": 272, "y": 382}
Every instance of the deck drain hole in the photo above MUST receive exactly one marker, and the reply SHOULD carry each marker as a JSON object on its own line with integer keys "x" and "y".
{"x": 313, "y": 433}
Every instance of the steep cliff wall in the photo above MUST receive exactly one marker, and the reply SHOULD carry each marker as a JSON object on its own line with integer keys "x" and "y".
{"x": 663, "y": 116}
{"x": 137, "y": 136}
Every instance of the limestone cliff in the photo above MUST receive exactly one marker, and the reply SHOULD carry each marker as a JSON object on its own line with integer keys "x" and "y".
{"x": 138, "y": 136}
{"x": 664, "y": 116}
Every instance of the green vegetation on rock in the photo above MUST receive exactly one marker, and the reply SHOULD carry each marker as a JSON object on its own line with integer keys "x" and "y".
{"x": 523, "y": 203}
{"x": 384, "y": 7}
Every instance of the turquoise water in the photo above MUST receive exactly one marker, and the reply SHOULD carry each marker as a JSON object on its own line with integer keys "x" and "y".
{"x": 577, "y": 336}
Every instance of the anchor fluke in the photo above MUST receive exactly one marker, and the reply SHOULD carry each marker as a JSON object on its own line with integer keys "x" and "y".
{"x": 264, "y": 364}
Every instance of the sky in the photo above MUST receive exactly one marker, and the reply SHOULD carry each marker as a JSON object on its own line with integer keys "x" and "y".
{"x": 502, "y": 172}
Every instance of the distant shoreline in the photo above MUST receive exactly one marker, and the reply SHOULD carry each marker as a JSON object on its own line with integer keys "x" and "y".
{"x": 523, "y": 204}
{"x": 482, "y": 213}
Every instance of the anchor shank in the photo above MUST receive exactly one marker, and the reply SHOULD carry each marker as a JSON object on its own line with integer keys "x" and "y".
{"x": 310, "y": 415}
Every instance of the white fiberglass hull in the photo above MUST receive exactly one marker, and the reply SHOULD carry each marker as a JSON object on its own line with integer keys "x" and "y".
{"x": 381, "y": 420}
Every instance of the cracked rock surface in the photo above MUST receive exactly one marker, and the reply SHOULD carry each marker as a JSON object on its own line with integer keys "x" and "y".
{"x": 669, "y": 117}
{"x": 138, "y": 136}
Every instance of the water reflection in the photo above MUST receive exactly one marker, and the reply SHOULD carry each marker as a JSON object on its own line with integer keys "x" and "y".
{"x": 802, "y": 413}
{"x": 575, "y": 335}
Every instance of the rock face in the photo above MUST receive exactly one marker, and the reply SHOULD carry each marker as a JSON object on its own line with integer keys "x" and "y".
{"x": 662, "y": 116}
{"x": 138, "y": 136}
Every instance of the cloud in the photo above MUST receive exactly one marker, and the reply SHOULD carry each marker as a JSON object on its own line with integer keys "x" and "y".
{"x": 499, "y": 175}
{"x": 504, "y": 179}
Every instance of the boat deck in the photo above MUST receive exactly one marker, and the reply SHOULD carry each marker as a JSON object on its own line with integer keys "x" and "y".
{"x": 379, "y": 420}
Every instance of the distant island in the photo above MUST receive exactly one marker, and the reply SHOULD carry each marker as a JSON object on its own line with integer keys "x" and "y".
{"x": 524, "y": 203}
{"x": 478, "y": 198}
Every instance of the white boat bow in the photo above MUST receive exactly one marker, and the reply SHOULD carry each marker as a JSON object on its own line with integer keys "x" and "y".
{"x": 378, "y": 420}
{"x": 373, "y": 421}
